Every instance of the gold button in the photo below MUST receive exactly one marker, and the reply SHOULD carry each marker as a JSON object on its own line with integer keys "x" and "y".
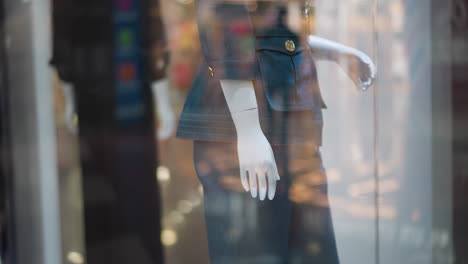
{"x": 211, "y": 71}
{"x": 289, "y": 45}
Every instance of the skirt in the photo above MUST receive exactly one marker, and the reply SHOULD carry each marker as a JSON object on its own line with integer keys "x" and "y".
{"x": 295, "y": 227}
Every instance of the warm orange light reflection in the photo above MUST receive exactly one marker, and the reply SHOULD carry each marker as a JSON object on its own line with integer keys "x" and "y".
{"x": 230, "y": 182}
{"x": 366, "y": 187}
{"x": 363, "y": 210}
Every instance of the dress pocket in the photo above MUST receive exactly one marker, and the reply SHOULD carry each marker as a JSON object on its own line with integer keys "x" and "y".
{"x": 287, "y": 74}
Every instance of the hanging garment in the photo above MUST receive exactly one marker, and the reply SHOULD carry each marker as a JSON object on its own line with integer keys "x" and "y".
{"x": 245, "y": 43}
{"x": 83, "y": 40}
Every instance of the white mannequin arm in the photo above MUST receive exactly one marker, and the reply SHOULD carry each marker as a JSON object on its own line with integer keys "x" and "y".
{"x": 165, "y": 113}
{"x": 362, "y": 72}
{"x": 256, "y": 157}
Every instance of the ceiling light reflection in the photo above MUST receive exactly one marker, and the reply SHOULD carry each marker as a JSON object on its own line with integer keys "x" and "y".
{"x": 176, "y": 217}
{"x": 163, "y": 174}
{"x": 168, "y": 237}
{"x": 75, "y": 257}
{"x": 185, "y": 206}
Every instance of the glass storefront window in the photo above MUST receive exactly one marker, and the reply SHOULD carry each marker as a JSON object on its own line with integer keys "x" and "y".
{"x": 216, "y": 131}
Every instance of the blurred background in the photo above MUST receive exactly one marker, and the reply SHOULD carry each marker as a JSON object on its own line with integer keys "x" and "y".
{"x": 396, "y": 156}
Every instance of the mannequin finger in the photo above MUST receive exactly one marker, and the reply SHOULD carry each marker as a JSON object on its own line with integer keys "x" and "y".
{"x": 253, "y": 183}
{"x": 244, "y": 181}
{"x": 262, "y": 184}
{"x": 272, "y": 178}
{"x": 274, "y": 172}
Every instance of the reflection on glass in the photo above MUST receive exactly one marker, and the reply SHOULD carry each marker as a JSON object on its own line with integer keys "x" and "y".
{"x": 279, "y": 157}
{"x": 254, "y": 113}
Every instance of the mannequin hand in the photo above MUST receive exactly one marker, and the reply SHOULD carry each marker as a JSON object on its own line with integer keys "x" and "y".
{"x": 357, "y": 64}
{"x": 166, "y": 116}
{"x": 258, "y": 169}
{"x": 361, "y": 69}
{"x": 256, "y": 160}
{"x": 70, "y": 113}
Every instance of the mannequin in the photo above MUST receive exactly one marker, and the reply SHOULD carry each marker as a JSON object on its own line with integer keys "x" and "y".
{"x": 254, "y": 150}
{"x": 254, "y": 114}
{"x": 160, "y": 91}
